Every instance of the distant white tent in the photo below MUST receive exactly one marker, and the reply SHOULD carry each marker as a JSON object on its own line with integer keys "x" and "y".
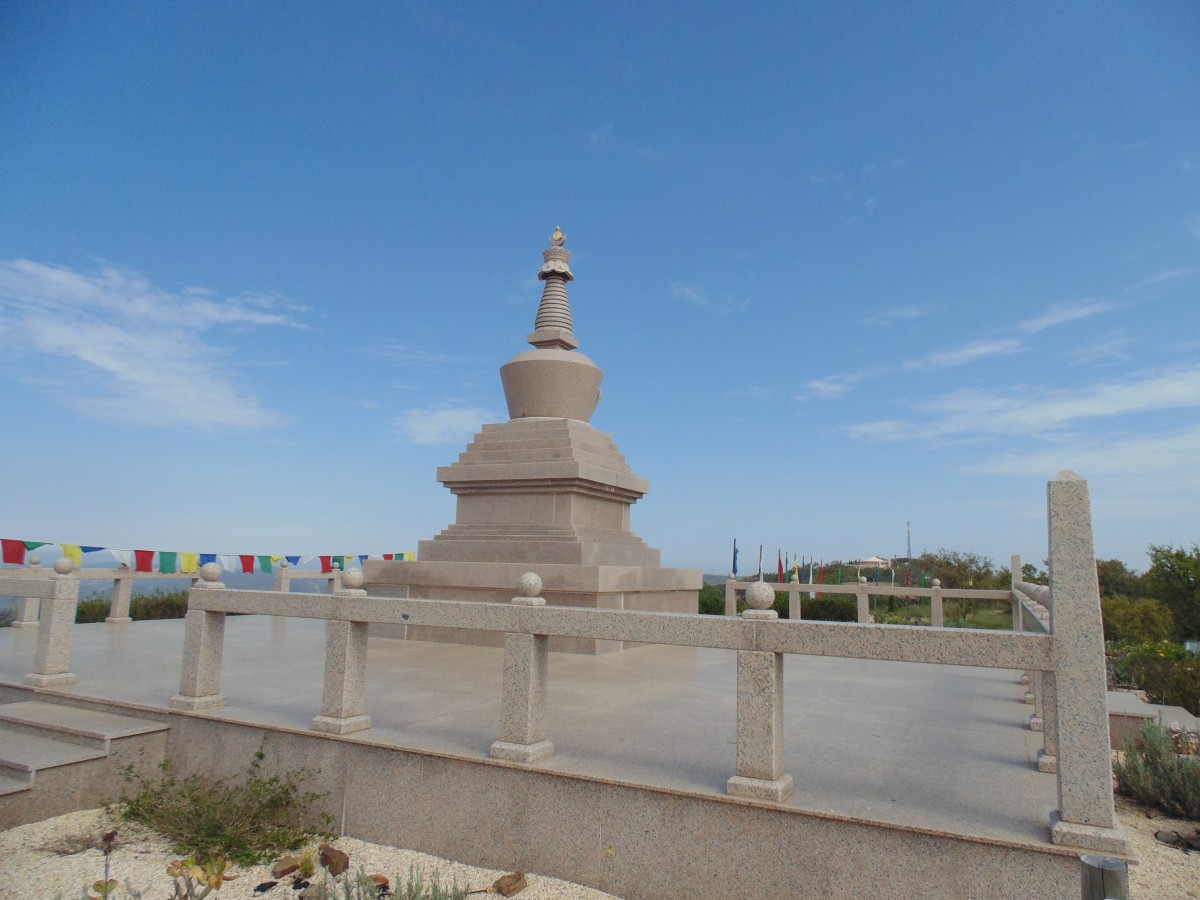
{"x": 874, "y": 562}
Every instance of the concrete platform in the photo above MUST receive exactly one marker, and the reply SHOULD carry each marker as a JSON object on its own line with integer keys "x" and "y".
{"x": 924, "y": 752}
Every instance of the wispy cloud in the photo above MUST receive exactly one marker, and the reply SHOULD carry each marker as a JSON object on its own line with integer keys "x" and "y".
{"x": 835, "y": 385}
{"x": 900, "y": 314}
{"x": 1154, "y": 454}
{"x": 1044, "y": 412}
{"x": 1110, "y": 348}
{"x": 1065, "y": 312}
{"x": 128, "y": 351}
{"x": 699, "y": 297}
{"x": 960, "y": 356}
{"x": 1159, "y": 278}
{"x": 401, "y": 353}
{"x": 442, "y": 424}
{"x": 605, "y": 137}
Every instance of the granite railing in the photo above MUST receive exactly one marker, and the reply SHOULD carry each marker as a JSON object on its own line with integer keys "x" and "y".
{"x": 122, "y": 590}
{"x": 863, "y": 591}
{"x": 57, "y": 592}
{"x": 285, "y": 575}
{"x": 1069, "y": 660}
{"x": 1064, "y": 656}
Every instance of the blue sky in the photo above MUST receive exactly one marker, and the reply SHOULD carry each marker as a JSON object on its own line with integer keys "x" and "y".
{"x": 844, "y": 266}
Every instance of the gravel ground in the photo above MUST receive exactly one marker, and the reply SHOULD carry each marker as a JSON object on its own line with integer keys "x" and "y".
{"x": 30, "y": 869}
{"x": 1163, "y": 872}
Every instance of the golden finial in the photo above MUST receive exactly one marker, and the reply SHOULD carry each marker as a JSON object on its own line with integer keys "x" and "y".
{"x": 558, "y": 238}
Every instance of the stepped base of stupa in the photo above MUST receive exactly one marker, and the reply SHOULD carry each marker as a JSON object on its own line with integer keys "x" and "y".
{"x": 580, "y": 586}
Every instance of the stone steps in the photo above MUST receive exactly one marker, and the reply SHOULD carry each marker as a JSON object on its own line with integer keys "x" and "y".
{"x": 56, "y": 759}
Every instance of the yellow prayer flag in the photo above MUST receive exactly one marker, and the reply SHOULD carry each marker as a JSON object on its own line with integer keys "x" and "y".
{"x": 74, "y": 553}
{"x": 189, "y": 562}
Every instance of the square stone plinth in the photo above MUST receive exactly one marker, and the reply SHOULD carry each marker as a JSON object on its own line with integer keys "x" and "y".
{"x": 522, "y": 753}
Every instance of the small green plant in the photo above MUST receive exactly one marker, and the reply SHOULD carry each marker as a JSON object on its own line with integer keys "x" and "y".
{"x": 414, "y": 888}
{"x": 308, "y": 863}
{"x": 1155, "y": 775}
{"x": 195, "y": 880}
{"x": 246, "y": 819}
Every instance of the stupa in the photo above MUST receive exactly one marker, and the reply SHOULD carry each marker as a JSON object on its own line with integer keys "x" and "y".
{"x": 543, "y": 492}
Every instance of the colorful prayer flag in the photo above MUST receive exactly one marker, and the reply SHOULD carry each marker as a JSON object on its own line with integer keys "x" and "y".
{"x": 74, "y": 553}
{"x": 264, "y": 563}
{"x": 166, "y": 561}
{"x": 189, "y": 562}
{"x": 247, "y": 562}
{"x": 14, "y": 551}
{"x": 734, "y": 558}
{"x": 33, "y": 545}
{"x": 206, "y": 558}
{"x": 326, "y": 563}
{"x": 144, "y": 560}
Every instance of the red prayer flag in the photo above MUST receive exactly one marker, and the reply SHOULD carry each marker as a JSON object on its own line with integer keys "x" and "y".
{"x": 780, "y": 558}
{"x": 14, "y": 551}
{"x": 389, "y": 556}
{"x": 247, "y": 564}
{"x": 326, "y": 563}
{"x": 144, "y": 559}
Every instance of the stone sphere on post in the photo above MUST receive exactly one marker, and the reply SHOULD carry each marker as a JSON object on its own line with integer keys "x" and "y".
{"x": 210, "y": 571}
{"x": 63, "y": 566}
{"x": 35, "y": 561}
{"x": 937, "y": 583}
{"x": 760, "y": 595}
{"x": 529, "y": 585}
{"x": 862, "y": 579}
{"x": 353, "y": 579}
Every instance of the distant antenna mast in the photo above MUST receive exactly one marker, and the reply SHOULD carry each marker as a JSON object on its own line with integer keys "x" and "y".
{"x": 908, "y": 530}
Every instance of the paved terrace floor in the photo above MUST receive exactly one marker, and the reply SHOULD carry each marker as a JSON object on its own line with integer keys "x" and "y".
{"x": 941, "y": 748}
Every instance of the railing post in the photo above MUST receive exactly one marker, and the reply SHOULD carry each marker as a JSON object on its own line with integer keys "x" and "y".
{"x": 203, "y": 645}
{"x": 864, "y": 600}
{"x": 122, "y": 597}
{"x": 52, "y": 662}
{"x": 29, "y": 607}
{"x": 937, "y": 615}
{"x": 523, "y": 706}
{"x": 283, "y": 577}
{"x": 345, "y": 668}
{"x": 760, "y": 774}
{"x": 1014, "y": 575}
{"x": 1104, "y": 877}
{"x": 1047, "y": 690}
{"x": 730, "y": 597}
{"x": 1085, "y": 815}
{"x": 794, "y": 599}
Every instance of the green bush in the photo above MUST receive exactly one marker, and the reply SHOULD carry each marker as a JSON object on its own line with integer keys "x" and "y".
{"x": 247, "y": 819}
{"x": 1155, "y": 775}
{"x": 712, "y": 600}
{"x": 157, "y": 605}
{"x": 1136, "y": 620}
{"x": 93, "y": 609}
{"x": 829, "y": 608}
{"x": 1167, "y": 672}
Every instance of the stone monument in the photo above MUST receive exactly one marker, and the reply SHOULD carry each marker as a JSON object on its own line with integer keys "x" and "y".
{"x": 543, "y": 492}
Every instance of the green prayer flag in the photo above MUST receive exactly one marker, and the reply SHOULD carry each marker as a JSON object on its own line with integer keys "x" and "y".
{"x": 264, "y": 564}
{"x": 166, "y": 561}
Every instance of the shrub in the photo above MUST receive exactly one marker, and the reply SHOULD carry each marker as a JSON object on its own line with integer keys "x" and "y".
{"x": 157, "y": 605}
{"x": 1137, "y": 621}
{"x": 829, "y": 609}
{"x": 1155, "y": 775}
{"x": 93, "y": 609}
{"x": 1167, "y": 672}
{"x": 712, "y": 600}
{"x": 247, "y": 819}
{"x": 7, "y": 616}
